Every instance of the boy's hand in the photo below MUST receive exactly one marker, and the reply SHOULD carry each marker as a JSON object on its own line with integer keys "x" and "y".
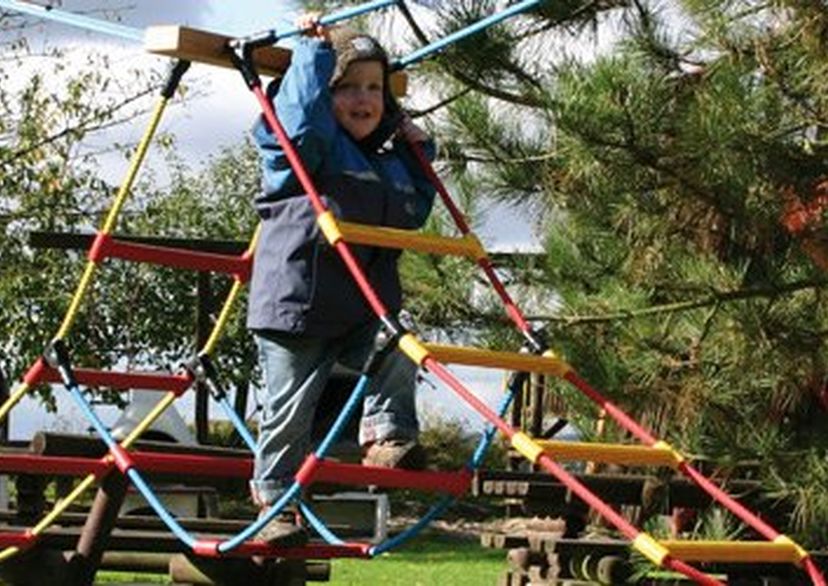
{"x": 309, "y": 24}
{"x": 410, "y": 131}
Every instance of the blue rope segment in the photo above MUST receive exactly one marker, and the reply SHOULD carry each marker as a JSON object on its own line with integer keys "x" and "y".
{"x": 263, "y": 520}
{"x": 342, "y": 15}
{"x": 458, "y": 35}
{"x": 132, "y": 474}
{"x": 271, "y": 36}
{"x": 77, "y": 20}
{"x": 476, "y": 460}
{"x": 318, "y": 525}
{"x": 147, "y": 492}
{"x": 238, "y": 424}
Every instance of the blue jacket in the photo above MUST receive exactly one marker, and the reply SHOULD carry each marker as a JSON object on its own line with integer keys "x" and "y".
{"x": 299, "y": 284}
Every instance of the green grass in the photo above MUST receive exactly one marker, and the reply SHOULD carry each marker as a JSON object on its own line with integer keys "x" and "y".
{"x": 429, "y": 560}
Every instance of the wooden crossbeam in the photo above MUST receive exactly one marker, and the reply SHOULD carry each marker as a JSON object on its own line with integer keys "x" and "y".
{"x": 200, "y": 46}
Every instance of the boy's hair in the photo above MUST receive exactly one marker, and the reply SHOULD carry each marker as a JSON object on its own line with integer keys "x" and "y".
{"x": 352, "y": 46}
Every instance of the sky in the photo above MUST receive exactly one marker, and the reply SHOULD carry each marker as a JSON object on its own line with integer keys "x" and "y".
{"x": 222, "y": 118}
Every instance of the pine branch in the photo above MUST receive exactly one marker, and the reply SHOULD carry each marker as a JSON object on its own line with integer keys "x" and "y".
{"x": 522, "y": 99}
{"x": 439, "y": 105}
{"x": 713, "y": 300}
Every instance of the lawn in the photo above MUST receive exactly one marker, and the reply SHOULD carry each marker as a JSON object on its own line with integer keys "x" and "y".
{"x": 433, "y": 559}
{"x": 430, "y": 560}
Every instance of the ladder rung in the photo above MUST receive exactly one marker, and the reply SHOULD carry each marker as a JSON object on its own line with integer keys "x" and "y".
{"x": 410, "y": 240}
{"x": 495, "y": 359}
{"x": 608, "y": 453}
{"x": 733, "y": 551}
{"x": 178, "y": 258}
{"x": 177, "y": 383}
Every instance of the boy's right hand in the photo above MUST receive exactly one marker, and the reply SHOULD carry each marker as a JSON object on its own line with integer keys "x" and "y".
{"x": 309, "y": 24}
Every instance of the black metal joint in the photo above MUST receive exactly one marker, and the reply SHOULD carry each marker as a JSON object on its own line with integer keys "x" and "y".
{"x": 57, "y": 356}
{"x": 177, "y": 71}
{"x": 241, "y": 54}
{"x": 204, "y": 372}
{"x": 537, "y": 344}
{"x": 256, "y": 40}
{"x": 392, "y": 327}
{"x": 387, "y": 344}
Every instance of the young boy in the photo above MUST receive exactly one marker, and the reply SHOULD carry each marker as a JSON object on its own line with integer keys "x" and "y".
{"x": 305, "y": 310}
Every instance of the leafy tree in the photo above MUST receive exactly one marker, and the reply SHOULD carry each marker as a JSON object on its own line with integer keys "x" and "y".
{"x": 680, "y": 183}
{"x": 135, "y": 315}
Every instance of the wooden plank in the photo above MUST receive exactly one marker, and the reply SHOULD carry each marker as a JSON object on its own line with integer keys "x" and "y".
{"x": 198, "y": 46}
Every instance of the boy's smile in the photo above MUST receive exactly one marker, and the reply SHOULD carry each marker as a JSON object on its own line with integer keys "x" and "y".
{"x": 358, "y": 98}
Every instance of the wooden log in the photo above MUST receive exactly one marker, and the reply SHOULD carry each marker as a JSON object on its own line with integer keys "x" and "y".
{"x": 61, "y": 444}
{"x": 232, "y": 572}
{"x": 612, "y": 569}
{"x": 36, "y": 567}
{"x": 94, "y": 537}
{"x": 128, "y": 561}
{"x": 521, "y": 558}
{"x": 200, "y": 46}
{"x": 617, "y": 489}
{"x": 186, "y": 570}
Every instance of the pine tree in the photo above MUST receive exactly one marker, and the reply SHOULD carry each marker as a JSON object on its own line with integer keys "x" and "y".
{"x": 681, "y": 181}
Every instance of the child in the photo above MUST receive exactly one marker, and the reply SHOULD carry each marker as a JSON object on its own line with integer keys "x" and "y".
{"x": 305, "y": 310}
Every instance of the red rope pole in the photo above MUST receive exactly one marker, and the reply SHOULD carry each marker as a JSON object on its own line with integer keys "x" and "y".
{"x": 613, "y": 410}
{"x": 606, "y": 511}
{"x": 484, "y": 263}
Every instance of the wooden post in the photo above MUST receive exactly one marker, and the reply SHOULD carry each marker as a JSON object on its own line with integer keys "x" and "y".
{"x": 4, "y": 395}
{"x": 94, "y": 538}
{"x": 203, "y": 327}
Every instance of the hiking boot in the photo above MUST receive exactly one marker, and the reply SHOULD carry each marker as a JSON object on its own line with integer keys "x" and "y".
{"x": 282, "y": 532}
{"x": 396, "y": 453}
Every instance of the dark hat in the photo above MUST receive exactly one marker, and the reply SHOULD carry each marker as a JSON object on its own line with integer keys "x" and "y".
{"x": 352, "y": 46}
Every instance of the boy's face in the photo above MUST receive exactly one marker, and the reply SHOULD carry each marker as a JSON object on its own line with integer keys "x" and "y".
{"x": 358, "y": 98}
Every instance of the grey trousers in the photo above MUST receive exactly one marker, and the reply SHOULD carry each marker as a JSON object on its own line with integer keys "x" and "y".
{"x": 296, "y": 369}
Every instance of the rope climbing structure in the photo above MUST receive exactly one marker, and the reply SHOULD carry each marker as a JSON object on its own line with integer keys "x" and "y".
{"x": 250, "y": 56}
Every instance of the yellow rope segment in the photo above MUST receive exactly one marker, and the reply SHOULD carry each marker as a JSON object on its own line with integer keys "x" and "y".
{"x": 650, "y": 548}
{"x": 475, "y": 246}
{"x": 13, "y": 400}
{"x": 227, "y": 308}
{"x": 112, "y": 217}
